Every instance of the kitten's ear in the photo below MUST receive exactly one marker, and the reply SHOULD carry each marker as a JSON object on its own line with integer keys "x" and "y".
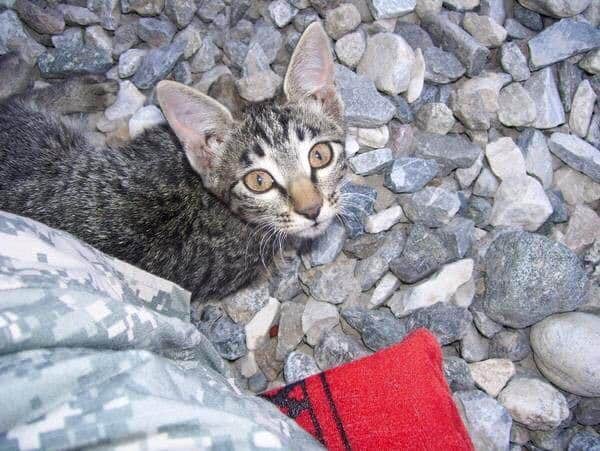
{"x": 311, "y": 73}
{"x": 200, "y": 122}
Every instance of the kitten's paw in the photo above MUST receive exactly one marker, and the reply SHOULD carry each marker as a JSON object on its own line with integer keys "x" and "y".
{"x": 89, "y": 93}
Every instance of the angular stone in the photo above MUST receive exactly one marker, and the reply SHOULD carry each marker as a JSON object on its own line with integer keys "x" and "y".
{"x": 260, "y": 86}
{"x": 387, "y": 61}
{"x": 430, "y": 206}
{"x": 290, "y": 331}
{"x": 517, "y": 31}
{"x": 562, "y": 40}
{"x": 143, "y": 7}
{"x": 125, "y": 38}
{"x": 371, "y": 137}
{"x": 583, "y": 228}
{"x": 530, "y": 277}
{"x": 363, "y": 105}
{"x": 299, "y": 366}
{"x": 438, "y": 288}
{"x": 14, "y": 38}
{"x": 441, "y": 66}
{"x": 494, "y": 9}
{"x": 109, "y": 12}
{"x": 358, "y": 204}
{"x": 588, "y": 411}
{"x": 417, "y": 78}
{"x": 514, "y": 62}
{"x": 435, "y": 118}
{"x": 569, "y": 78}
{"x": 486, "y": 184}
{"x": 461, "y": 5}
{"x": 446, "y": 321}
{"x": 473, "y": 346}
{"x": 414, "y": 35}
{"x": 538, "y": 160}
{"x": 576, "y": 153}
{"x": 243, "y": 305}
{"x": 510, "y": 344}
{"x": 332, "y": 283}
{"x": 341, "y": 20}
{"x": 181, "y": 12}
{"x": 534, "y": 403}
{"x": 208, "y": 10}
{"x": 407, "y": 175}
{"x": 384, "y": 220}
{"x": 517, "y": 108}
{"x": 454, "y": 39}
{"x": 41, "y": 16}
{"x": 487, "y": 421}
{"x": 450, "y": 151}
{"x": 388, "y": 9}
{"x": 591, "y": 62}
{"x": 369, "y": 270}
{"x": 128, "y": 101}
{"x": 77, "y": 15}
{"x": 328, "y": 246}
{"x": 130, "y": 61}
{"x": 593, "y": 136}
{"x": 492, "y": 375}
{"x": 145, "y": 118}
{"x": 584, "y": 441}
{"x": 467, "y": 176}
{"x": 74, "y": 59}
{"x": 528, "y": 18}
{"x": 257, "y": 329}
{"x": 227, "y": 337}
{"x": 371, "y": 162}
{"x": 582, "y": 109}
{"x": 317, "y": 318}
{"x": 157, "y": 64}
{"x": 205, "y": 56}
{"x": 155, "y": 32}
{"x": 384, "y": 289}
{"x": 505, "y": 158}
{"x": 458, "y": 374}
{"x": 576, "y": 187}
{"x": 542, "y": 89}
{"x": 484, "y": 29}
{"x": 282, "y": 12}
{"x": 335, "y": 349}
{"x": 350, "y": 48}
{"x": 378, "y": 328}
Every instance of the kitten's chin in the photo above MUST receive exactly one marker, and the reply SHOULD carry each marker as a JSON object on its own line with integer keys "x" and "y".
{"x": 314, "y": 231}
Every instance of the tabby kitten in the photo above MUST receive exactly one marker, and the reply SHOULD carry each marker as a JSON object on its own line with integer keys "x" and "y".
{"x": 202, "y": 202}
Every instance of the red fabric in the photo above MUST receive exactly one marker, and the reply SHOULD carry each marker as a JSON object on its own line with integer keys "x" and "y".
{"x": 395, "y": 399}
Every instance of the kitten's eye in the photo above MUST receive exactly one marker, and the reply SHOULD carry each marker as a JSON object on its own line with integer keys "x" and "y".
{"x": 320, "y": 155}
{"x": 258, "y": 181}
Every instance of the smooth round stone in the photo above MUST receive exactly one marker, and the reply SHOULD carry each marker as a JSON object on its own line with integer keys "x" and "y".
{"x": 567, "y": 351}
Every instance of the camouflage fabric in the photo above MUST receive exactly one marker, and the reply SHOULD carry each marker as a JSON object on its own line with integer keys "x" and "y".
{"x": 95, "y": 353}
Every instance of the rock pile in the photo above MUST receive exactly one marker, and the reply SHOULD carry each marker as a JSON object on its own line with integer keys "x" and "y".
{"x": 474, "y": 134}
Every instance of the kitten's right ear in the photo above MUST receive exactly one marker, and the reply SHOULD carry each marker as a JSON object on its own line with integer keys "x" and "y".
{"x": 200, "y": 122}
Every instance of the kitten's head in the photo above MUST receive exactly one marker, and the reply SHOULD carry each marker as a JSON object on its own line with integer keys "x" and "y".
{"x": 280, "y": 166}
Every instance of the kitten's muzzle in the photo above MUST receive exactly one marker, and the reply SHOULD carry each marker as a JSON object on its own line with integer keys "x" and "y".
{"x": 306, "y": 199}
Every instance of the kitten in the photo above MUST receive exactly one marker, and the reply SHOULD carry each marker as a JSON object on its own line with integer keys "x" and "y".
{"x": 202, "y": 202}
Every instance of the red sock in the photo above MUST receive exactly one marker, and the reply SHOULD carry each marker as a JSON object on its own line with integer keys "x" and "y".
{"x": 395, "y": 399}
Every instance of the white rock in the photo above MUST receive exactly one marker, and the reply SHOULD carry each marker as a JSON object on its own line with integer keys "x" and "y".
{"x": 282, "y": 12}
{"x": 384, "y": 289}
{"x": 388, "y": 61}
{"x": 257, "y": 330}
{"x": 577, "y": 188}
{"x": 484, "y": 29}
{"x": 582, "y": 109}
{"x": 260, "y": 86}
{"x": 129, "y": 100}
{"x": 375, "y": 138}
{"x": 486, "y": 184}
{"x": 438, "y": 288}
{"x": 145, "y": 118}
{"x": 517, "y": 108}
{"x": 351, "y": 146}
{"x": 384, "y": 220}
{"x": 467, "y": 176}
{"x": 583, "y": 228}
{"x": 317, "y": 318}
{"x": 566, "y": 347}
{"x": 350, "y": 48}
{"x": 534, "y": 403}
{"x": 417, "y": 77}
{"x": 505, "y": 158}
{"x": 492, "y": 375}
{"x": 130, "y": 61}
{"x": 520, "y": 202}
{"x": 388, "y": 9}
{"x": 538, "y": 158}
{"x": 464, "y": 294}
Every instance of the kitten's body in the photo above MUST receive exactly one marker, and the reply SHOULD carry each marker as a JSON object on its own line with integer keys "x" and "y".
{"x": 142, "y": 203}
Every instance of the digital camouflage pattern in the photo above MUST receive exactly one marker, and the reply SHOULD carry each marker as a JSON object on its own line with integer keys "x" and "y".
{"x": 95, "y": 353}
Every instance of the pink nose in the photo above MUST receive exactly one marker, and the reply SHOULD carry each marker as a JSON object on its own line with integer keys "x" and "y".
{"x": 311, "y": 211}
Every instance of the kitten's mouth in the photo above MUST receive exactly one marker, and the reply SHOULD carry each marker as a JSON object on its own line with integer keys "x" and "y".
{"x": 314, "y": 230}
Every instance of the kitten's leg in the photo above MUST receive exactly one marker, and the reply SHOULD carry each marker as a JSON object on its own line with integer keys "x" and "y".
{"x": 75, "y": 95}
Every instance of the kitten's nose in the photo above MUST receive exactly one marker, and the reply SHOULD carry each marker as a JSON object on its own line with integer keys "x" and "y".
{"x": 306, "y": 199}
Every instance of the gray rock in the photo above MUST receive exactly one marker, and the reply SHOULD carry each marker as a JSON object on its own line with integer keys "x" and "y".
{"x": 341, "y": 20}
{"x": 435, "y": 118}
{"x": 317, "y": 318}
{"x": 358, "y": 203}
{"x": 157, "y": 64}
{"x": 258, "y": 382}
{"x": 441, "y": 67}
{"x": 13, "y": 38}
{"x": 369, "y": 270}
{"x": 332, "y": 283}
{"x": 284, "y": 285}
{"x": 74, "y": 59}
{"x": 364, "y": 246}
{"x": 125, "y": 38}
{"x": 567, "y": 351}
{"x": 350, "y": 48}
{"x": 510, "y": 344}
{"x": 556, "y": 8}
{"x": 484, "y": 324}
{"x": 378, "y": 328}
{"x": 576, "y": 153}
{"x": 446, "y": 321}
{"x": 479, "y": 211}
{"x": 473, "y": 346}
{"x": 290, "y": 331}
{"x": 517, "y": 31}
{"x": 528, "y": 18}
{"x": 450, "y": 151}
{"x": 130, "y": 61}
{"x": 335, "y": 348}
{"x": 584, "y": 441}
{"x": 516, "y": 107}
{"x": 542, "y": 89}
{"x": 363, "y": 105}
{"x": 414, "y": 35}
{"x": 129, "y": 100}
{"x": 182, "y": 73}
{"x": 155, "y": 32}
{"x": 109, "y": 12}
{"x": 228, "y": 338}
{"x": 327, "y": 247}
{"x": 304, "y": 18}
{"x": 538, "y": 160}
{"x": 583, "y": 228}
{"x": 582, "y": 109}
{"x": 259, "y": 86}
{"x": 577, "y": 188}
{"x": 146, "y": 117}
{"x": 208, "y": 10}
{"x": 77, "y": 15}
{"x": 514, "y": 62}
{"x": 458, "y": 374}
{"x": 591, "y": 62}
{"x": 494, "y": 9}
{"x": 487, "y": 184}
{"x": 454, "y": 39}
{"x": 430, "y": 206}
{"x": 371, "y": 162}
{"x": 282, "y": 12}
{"x": 43, "y": 17}
{"x": 533, "y": 403}
{"x": 95, "y": 36}
{"x": 205, "y": 56}
{"x": 588, "y": 411}
{"x": 487, "y": 421}
{"x": 388, "y": 9}
{"x": 569, "y": 78}
{"x": 269, "y": 39}
{"x": 530, "y": 277}
{"x": 385, "y": 288}
{"x": 235, "y": 52}
{"x": 407, "y": 175}
{"x": 243, "y": 305}
{"x": 299, "y": 366}
{"x": 181, "y": 12}
{"x": 142, "y": 7}
{"x": 418, "y": 260}
{"x": 562, "y": 40}
{"x": 461, "y": 5}
{"x": 484, "y": 29}
{"x": 458, "y": 235}
{"x": 560, "y": 213}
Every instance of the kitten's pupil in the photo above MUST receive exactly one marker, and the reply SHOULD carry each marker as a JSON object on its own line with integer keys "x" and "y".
{"x": 259, "y": 180}
{"x": 318, "y": 155}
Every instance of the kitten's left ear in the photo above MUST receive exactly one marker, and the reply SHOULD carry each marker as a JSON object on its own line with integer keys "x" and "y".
{"x": 311, "y": 73}
{"x": 200, "y": 122}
